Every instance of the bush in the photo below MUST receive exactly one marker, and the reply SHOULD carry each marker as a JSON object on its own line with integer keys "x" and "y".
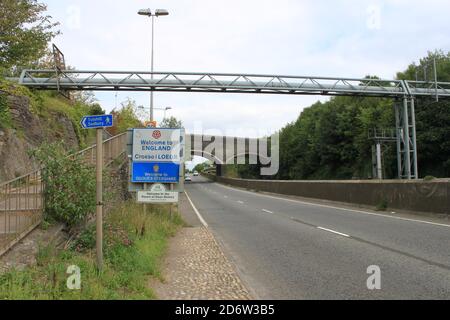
{"x": 69, "y": 185}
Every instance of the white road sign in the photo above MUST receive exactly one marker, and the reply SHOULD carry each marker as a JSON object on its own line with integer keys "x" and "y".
{"x": 156, "y": 145}
{"x": 157, "y": 197}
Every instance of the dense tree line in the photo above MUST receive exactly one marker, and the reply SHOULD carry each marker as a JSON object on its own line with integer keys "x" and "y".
{"x": 330, "y": 140}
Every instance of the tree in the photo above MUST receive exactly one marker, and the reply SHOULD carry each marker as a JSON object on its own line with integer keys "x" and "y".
{"x": 126, "y": 117}
{"x": 171, "y": 122}
{"x": 25, "y": 31}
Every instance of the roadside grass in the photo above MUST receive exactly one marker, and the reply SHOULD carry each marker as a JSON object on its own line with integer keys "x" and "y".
{"x": 134, "y": 244}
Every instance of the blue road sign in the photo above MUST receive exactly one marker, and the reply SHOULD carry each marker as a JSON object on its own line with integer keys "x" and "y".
{"x": 155, "y": 172}
{"x": 93, "y": 122}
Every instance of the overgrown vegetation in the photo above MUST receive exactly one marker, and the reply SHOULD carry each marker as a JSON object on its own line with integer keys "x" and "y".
{"x": 126, "y": 117}
{"x": 134, "y": 246}
{"x": 69, "y": 184}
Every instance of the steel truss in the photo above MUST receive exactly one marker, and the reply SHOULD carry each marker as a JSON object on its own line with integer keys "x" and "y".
{"x": 223, "y": 82}
{"x": 400, "y": 90}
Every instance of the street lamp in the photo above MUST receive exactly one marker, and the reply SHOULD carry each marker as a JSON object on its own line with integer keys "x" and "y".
{"x": 152, "y": 15}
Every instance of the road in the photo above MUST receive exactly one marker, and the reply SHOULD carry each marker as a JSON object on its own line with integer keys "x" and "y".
{"x": 290, "y": 249}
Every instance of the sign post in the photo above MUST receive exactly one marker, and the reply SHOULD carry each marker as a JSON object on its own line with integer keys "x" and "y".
{"x": 98, "y": 123}
{"x": 99, "y": 199}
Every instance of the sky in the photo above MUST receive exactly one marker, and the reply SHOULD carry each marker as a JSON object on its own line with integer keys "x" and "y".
{"x": 342, "y": 38}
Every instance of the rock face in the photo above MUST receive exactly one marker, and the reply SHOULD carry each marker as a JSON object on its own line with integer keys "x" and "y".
{"x": 29, "y": 132}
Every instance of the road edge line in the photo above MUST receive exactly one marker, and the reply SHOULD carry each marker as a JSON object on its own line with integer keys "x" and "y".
{"x": 196, "y": 211}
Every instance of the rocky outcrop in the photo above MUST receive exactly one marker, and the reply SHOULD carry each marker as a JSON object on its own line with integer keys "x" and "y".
{"x": 28, "y": 132}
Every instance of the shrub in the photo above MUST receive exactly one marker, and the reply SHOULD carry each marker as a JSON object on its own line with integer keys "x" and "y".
{"x": 69, "y": 185}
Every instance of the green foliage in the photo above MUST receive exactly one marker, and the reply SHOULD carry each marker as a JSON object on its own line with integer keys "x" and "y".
{"x": 96, "y": 109}
{"x": 25, "y": 31}
{"x": 5, "y": 115}
{"x": 171, "y": 122}
{"x": 202, "y": 166}
{"x": 127, "y": 267}
{"x": 126, "y": 117}
{"x": 69, "y": 185}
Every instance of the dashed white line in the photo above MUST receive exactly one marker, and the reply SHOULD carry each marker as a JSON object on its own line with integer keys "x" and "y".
{"x": 267, "y": 211}
{"x": 335, "y": 232}
{"x": 241, "y": 202}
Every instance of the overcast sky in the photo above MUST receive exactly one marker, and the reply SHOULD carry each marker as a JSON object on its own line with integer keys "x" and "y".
{"x": 346, "y": 38}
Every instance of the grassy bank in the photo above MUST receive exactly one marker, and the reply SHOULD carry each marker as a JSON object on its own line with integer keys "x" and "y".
{"x": 134, "y": 246}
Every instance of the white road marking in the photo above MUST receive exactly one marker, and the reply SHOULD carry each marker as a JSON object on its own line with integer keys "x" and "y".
{"x": 196, "y": 211}
{"x": 335, "y": 232}
{"x": 338, "y": 208}
{"x": 267, "y": 211}
{"x": 241, "y": 202}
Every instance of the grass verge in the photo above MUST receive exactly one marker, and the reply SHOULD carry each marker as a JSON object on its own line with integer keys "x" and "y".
{"x": 134, "y": 244}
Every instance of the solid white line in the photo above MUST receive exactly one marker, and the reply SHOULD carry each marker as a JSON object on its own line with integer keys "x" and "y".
{"x": 339, "y": 208}
{"x": 267, "y": 211}
{"x": 196, "y": 211}
{"x": 241, "y": 202}
{"x": 335, "y": 232}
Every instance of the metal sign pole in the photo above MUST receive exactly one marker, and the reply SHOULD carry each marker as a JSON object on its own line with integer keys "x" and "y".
{"x": 98, "y": 122}
{"x": 99, "y": 218}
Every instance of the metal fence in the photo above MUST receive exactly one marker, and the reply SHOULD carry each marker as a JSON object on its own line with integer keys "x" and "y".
{"x": 22, "y": 199}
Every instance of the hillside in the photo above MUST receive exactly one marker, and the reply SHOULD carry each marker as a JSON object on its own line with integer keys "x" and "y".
{"x": 27, "y": 119}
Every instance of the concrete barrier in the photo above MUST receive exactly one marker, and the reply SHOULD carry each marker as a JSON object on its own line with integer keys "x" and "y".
{"x": 420, "y": 196}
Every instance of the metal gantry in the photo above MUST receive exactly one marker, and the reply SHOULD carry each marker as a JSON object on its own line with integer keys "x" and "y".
{"x": 402, "y": 91}
{"x": 225, "y": 82}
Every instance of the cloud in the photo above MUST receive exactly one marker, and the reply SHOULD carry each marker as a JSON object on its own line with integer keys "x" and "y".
{"x": 321, "y": 38}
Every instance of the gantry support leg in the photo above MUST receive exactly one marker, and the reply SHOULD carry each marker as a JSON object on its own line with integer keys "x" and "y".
{"x": 406, "y": 139}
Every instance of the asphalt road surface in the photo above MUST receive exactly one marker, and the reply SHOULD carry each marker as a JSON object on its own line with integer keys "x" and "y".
{"x": 290, "y": 249}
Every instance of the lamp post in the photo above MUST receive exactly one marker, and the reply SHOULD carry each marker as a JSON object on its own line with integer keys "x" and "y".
{"x": 152, "y": 15}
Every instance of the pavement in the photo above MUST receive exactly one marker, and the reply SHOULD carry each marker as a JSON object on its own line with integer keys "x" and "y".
{"x": 283, "y": 248}
{"x": 195, "y": 267}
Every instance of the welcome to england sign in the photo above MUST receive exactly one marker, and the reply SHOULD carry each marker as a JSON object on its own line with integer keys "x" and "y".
{"x": 156, "y": 145}
{"x": 156, "y": 155}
